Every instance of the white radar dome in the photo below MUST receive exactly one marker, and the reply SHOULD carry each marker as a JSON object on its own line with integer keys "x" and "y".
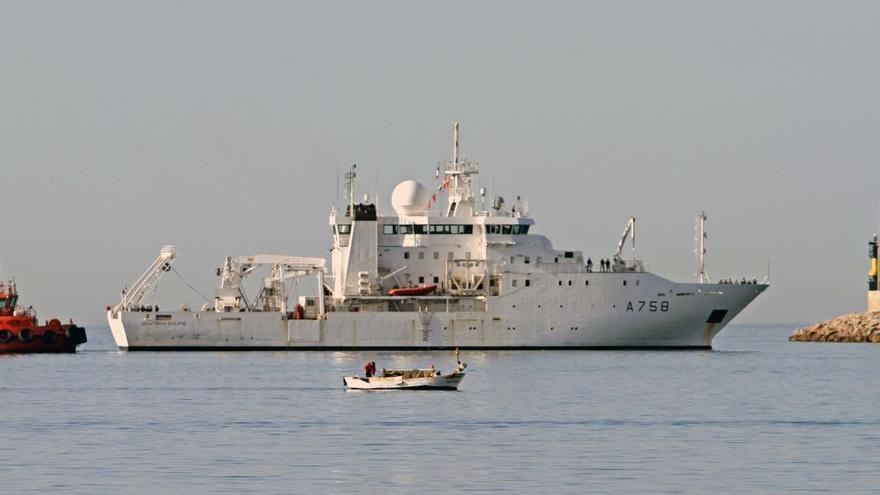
{"x": 410, "y": 198}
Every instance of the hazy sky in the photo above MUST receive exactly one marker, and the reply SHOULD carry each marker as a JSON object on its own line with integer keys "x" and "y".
{"x": 221, "y": 126}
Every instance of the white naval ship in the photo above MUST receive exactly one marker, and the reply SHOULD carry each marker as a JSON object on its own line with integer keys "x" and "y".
{"x": 469, "y": 275}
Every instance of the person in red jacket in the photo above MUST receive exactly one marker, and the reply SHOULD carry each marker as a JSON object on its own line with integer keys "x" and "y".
{"x": 370, "y": 369}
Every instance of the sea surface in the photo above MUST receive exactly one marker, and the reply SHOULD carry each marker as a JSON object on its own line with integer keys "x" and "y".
{"x": 756, "y": 415}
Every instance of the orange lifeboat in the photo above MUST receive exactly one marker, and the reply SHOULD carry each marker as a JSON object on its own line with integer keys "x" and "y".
{"x": 412, "y": 291}
{"x": 20, "y": 330}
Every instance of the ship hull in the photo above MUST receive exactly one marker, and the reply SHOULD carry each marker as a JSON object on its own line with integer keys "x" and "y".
{"x": 46, "y": 341}
{"x": 656, "y": 315}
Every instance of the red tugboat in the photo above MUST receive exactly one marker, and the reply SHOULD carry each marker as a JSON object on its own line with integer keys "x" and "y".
{"x": 21, "y": 332}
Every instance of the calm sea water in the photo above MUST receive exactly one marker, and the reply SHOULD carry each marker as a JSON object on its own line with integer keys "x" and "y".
{"x": 756, "y": 415}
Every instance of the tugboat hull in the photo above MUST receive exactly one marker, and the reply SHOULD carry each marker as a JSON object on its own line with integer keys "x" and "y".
{"x": 41, "y": 340}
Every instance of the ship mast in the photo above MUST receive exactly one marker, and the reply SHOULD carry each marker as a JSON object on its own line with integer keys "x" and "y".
{"x": 349, "y": 189}
{"x": 455, "y": 141}
{"x": 459, "y": 174}
{"x": 700, "y": 248}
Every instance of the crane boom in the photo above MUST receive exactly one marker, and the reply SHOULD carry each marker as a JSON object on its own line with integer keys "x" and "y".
{"x": 629, "y": 231}
{"x": 147, "y": 282}
{"x": 291, "y": 262}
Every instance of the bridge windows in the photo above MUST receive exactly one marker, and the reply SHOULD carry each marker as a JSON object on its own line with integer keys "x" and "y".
{"x": 390, "y": 229}
{"x": 421, "y": 255}
{"x": 507, "y": 229}
{"x": 406, "y": 255}
{"x": 450, "y": 229}
{"x": 444, "y": 229}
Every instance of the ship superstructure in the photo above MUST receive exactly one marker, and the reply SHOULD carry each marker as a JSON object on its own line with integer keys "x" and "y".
{"x": 470, "y": 273}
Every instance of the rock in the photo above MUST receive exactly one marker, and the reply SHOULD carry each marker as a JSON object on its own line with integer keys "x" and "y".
{"x": 855, "y": 327}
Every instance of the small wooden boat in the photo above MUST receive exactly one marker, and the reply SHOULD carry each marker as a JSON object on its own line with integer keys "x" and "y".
{"x": 412, "y": 291}
{"x": 408, "y": 379}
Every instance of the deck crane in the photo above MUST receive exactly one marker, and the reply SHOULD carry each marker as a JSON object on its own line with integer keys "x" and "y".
{"x": 273, "y": 297}
{"x": 629, "y": 231}
{"x": 132, "y": 298}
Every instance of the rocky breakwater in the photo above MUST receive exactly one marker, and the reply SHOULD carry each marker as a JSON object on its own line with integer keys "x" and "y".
{"x": 854, "y": 327}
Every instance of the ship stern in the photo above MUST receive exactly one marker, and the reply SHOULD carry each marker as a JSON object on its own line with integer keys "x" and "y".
{"x": 117, "y": 329}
